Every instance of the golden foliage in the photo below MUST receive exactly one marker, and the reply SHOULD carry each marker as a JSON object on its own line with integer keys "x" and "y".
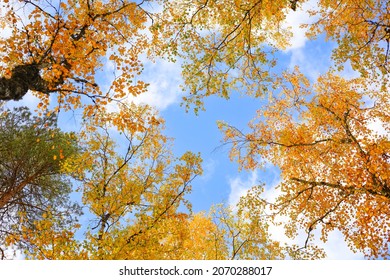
{"x": 222, "y": 43}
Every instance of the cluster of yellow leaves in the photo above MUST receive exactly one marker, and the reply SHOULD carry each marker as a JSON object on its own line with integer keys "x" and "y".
{"x": 222, "y": 43}
{"x": 51, "y": 241}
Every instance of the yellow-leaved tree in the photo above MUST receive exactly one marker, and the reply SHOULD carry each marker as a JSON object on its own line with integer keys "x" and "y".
{"x": 133, "y": 193}
{"x": 224, "y": 45}
{"x": 230, "y": 46}
{"x": 361, "y": 30}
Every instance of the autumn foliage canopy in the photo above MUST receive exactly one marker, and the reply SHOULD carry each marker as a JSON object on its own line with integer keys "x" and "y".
{"x": 119, "y": 169}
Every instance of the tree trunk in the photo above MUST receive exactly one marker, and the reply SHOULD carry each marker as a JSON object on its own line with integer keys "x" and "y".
{"x": 24, "y": 77}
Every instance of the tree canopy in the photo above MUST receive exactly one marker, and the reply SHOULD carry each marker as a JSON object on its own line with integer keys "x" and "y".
{"x": 334, "y": 167}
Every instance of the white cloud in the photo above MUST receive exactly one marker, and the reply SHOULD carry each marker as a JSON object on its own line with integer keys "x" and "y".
{"x": 302, "y": 54}
{"x": 163, "y": 77}
{"x": 11, "y": 253}
{"x": 164, "y": 80}
{"x": 336, "y": 248}
{"x": 239, "y": 187}
{"x": 294, "y": 20}
{"x": 209, "y": 169}
{"x": 377, "y": 126}
{"x": 21, "y": 10}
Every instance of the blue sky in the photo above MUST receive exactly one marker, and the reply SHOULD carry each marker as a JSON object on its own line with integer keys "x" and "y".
{"x": 222, "y": 181}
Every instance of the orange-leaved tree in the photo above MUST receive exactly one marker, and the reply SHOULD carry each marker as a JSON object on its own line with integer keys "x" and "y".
{"x": 335, "y": 166}
{"x": 58, "y": 47}
{"x": 361, "y": 30}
